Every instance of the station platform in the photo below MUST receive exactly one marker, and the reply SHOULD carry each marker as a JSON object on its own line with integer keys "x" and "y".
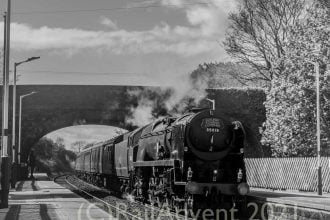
{"x": 301, "y": 199}
{"x": 41, "y": 198}
{"x": 290, "y": 205}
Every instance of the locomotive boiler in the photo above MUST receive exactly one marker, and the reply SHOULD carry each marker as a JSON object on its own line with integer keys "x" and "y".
{"x": 193, "y": 161}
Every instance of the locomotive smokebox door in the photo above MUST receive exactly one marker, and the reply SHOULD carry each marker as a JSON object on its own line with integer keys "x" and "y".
{"x": 208, "y": 133}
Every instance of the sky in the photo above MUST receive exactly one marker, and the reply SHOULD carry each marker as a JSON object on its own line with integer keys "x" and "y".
{"x": 84, "y": 133}
{"x": 116, "y": 42}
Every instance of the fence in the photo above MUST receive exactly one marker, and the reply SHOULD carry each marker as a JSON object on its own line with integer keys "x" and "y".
{"x": 287, "y": 173}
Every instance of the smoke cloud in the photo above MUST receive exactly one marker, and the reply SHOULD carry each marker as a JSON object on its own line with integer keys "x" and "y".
{"x": 151, "y": 103}
{"x": 142, "y": 114}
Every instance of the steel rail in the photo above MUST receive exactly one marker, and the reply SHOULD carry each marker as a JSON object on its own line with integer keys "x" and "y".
{"x": 106, "y": 204}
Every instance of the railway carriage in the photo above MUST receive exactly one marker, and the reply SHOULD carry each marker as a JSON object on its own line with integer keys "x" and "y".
{"x": 193, "y": 161}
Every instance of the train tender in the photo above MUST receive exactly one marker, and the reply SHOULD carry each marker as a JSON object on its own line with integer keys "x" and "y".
{"x": 193, "y": 161}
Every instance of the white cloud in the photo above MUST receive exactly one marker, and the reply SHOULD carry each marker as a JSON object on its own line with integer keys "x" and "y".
{"x": 142, "y": 3}
{"x": 211, "y": 18}
{"x": 225, "y": 6}
{"x": 146, "y": 3}
{"x": 161, "y": 39}
{"x": 177, "y": 3}
{"x": 108, "y": 23}
{"x": 206, "y": 28}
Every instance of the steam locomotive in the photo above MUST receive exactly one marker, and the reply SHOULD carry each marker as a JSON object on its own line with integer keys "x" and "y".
{"x": 193, "y": 161}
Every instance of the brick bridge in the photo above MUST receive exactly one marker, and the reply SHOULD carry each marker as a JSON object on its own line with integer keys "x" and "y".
{"x": 59, "y": 106}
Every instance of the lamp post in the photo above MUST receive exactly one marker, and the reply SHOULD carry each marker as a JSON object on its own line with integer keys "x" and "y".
{"x": 318, "y": 127}
{"x": 20, "y": 125}
{"x": 14, "y": 159}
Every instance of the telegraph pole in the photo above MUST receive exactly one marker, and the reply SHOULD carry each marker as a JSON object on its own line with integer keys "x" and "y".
{"x": 5, "y": 162}
{"x": 13, "y": 142}
{"x": 3, "y": 69}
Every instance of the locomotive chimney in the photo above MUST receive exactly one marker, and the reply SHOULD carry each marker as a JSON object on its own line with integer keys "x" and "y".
{"x": 213, "y": 103}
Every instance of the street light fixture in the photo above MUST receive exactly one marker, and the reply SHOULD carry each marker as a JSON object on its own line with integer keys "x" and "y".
{"x": 14, "y": 106}
{"x": 20, "y": 125}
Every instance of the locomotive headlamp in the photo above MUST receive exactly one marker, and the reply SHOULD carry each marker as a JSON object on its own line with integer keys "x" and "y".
{"x": 239, "y": 175}
{"x": 243, "y": 189}
{"x": 189, "y": 174}
{"x": 215, "y": 174}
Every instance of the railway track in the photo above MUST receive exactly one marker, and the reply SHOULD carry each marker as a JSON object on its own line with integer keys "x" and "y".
{"x": 119, "y": 208}
{"x": 115, "y": 211}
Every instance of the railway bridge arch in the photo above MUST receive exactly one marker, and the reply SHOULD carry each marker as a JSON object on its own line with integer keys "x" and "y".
{"x": 53, "y": 107}
{"x": 57, "y": 106}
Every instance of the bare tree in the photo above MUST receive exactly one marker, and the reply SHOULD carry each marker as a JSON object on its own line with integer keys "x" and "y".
{"x": 222, "y": 74}
{"x": 258, "y": 33}
{"x": 77, "y": 145}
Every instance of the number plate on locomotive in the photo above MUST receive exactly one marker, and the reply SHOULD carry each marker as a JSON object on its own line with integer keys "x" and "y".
{"x": 212, "y": 124}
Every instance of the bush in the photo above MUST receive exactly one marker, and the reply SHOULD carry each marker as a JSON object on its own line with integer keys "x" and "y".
{"x": 52, "y": 157}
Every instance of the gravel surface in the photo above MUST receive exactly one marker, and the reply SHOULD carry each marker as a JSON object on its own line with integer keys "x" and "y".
{"x": 139, "y": 210}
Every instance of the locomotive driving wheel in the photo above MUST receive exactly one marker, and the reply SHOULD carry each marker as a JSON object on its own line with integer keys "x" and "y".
{"x": 167, "y": 201}
{"x": 189, "y": 203}
{"x": 151, "y": 192}
{"x": 137, "y": 191}
{"x": 157, "y": 196}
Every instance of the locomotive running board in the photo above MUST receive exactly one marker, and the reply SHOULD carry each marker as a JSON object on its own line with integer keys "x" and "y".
{"x": 157, "y": 163}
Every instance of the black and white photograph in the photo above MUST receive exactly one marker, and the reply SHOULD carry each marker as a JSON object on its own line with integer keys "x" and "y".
{"x": 165, "y": 109}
